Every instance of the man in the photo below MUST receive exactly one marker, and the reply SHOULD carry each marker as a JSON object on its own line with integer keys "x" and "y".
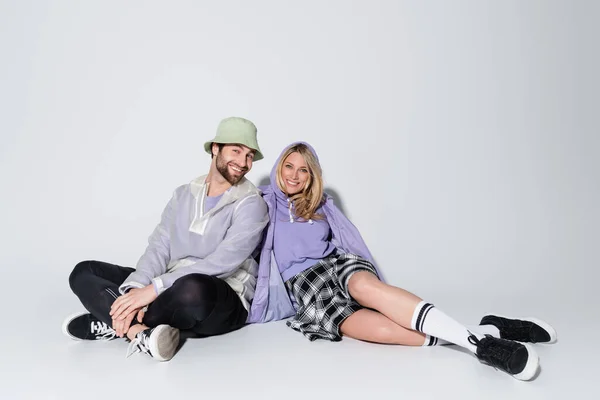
{"x": 198, "y": 272}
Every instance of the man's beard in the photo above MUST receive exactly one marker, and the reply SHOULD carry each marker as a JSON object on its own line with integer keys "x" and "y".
{"x": 223, "y": 169}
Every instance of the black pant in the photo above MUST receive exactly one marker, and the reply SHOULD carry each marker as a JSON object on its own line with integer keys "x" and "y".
{"x": 200, "y": 303}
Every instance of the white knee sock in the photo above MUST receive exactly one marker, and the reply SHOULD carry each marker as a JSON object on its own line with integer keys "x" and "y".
{"x": 431, "y": 321}
{"x": 433, "y": 341}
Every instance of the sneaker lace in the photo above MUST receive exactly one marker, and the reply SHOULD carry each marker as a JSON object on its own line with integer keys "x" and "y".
{"x": 138, "y": 344}
{"x": 494, "y": 351}
{"x": 102, "y": 330}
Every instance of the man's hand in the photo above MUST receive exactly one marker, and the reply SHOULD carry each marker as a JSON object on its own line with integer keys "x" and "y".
{"x": 132, "y": 301}
{"x": 121, "y": 326}
{"x": 140, "y": 314}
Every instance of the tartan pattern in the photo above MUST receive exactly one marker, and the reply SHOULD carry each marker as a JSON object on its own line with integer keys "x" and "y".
{"x": 321, "y": 293}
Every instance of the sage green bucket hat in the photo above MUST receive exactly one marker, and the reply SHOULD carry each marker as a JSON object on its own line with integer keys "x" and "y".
{"x": 236, "y": 130}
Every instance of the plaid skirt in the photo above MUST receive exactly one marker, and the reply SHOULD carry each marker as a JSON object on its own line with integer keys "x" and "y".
{"x": 322, "y": 297}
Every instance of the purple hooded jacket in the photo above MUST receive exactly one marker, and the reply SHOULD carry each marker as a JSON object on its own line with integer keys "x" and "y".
{"x": 271, "y": 301}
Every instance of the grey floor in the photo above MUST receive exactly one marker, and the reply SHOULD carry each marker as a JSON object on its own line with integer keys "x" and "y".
{"x": 271, "y": 361}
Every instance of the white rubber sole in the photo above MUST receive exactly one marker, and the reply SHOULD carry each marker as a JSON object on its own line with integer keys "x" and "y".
{"x": 164, "y": 341}
{"x": 66, "y": 322}
{"x": 546, "y": 326}
{"x": 531, "y": 368}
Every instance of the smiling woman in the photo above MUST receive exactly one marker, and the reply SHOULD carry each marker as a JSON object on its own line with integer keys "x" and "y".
{"x": 336, "y": 289}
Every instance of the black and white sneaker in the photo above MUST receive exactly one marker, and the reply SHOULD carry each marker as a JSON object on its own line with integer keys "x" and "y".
{"x": 530, "y": 330}
{"x": 159, "y": 342}
{"x": 514, "y": 358}
{"x": 84, "y": 326}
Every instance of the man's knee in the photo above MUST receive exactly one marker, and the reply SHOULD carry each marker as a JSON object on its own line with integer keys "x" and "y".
{"x": 79, "y": 274}
{"x": 194, "y": 289}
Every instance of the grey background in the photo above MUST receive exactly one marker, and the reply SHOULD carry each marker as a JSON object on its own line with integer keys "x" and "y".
{"x": 461, "y": 138}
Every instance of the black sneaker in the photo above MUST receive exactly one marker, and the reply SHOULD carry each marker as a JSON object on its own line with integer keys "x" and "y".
{"x": 159, "y": 342}
{"x": 517, "y": 359}
{"x": 84, "y": 326}
{"x": 530, "y": 330}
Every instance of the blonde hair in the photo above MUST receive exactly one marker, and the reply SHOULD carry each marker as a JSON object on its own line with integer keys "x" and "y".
{"x": 311, "y": 197}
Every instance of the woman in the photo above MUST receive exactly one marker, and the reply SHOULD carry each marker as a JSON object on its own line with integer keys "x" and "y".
{"x": 336, "y": 289}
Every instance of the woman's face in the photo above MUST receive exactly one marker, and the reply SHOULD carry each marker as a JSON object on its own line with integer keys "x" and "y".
{"x": 294, "y": 173}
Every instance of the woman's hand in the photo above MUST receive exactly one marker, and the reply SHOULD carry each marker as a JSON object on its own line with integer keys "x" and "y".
{"x": 132, "y": 301}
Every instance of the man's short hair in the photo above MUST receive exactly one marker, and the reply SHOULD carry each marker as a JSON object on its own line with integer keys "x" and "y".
{"x": 221, "y": 145}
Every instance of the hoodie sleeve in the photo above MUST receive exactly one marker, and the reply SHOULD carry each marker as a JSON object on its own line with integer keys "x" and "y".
{"x": 157, "y": 255}
{"x": 346, "y": 236}
{"x": 243, "y": 236}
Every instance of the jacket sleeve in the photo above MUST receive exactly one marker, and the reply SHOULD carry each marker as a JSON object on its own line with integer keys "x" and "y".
{"x": 243, "y": 236}
{"x": 155, "y": 259}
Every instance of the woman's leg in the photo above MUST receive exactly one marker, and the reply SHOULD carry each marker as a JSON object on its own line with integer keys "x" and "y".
{"x": 372, "y": 326}
{"x": 408, "y": 310}
{"x": 411, "y": 312}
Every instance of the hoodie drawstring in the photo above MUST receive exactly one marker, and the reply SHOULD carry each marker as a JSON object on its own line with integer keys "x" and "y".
{"x": 310, "y": 221}
{"x": 290, "y": 211}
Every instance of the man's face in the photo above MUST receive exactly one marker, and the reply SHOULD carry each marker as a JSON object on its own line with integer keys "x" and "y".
{"x": 233, "y": 161}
